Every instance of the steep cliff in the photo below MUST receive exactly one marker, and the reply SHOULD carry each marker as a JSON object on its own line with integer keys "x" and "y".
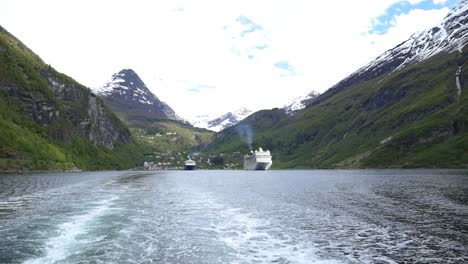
{"x": 88, "y": 114}
{"x": 48, "y": 120}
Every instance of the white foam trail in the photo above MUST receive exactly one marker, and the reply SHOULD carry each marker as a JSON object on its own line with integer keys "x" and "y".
{"x": 61, "y": 246}
{"x": 257, "y": 240}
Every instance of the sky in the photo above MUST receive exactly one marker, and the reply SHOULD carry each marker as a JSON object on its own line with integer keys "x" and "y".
{"x": 209, "y": 57}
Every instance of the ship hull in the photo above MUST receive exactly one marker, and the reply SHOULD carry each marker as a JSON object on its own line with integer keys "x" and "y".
{"x": 189, "y": 164}
{"x": 189, "y": 167}
{"x": 252, "y": 164}
{"x": 258, "y": 166}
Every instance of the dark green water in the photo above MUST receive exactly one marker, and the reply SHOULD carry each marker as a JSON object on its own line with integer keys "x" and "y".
{"x": 320, "y": 216}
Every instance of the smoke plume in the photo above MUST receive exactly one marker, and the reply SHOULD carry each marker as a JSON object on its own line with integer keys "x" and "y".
{"x": 246, "y": 134}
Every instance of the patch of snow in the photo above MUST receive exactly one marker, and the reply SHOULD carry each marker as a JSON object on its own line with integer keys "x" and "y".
{"x": 110, "y": 86}
{"x": 299, "y": 103}
{"x": 216, "y": 128}
{"x": 296, "y": 104}
{"x": 118, "y": 80}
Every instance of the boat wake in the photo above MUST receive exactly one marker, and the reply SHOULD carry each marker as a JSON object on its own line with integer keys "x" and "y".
{"x": 70, "y": 235}
{"x": 256, "y": 240}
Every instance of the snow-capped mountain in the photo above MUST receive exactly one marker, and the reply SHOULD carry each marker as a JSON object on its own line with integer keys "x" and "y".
{"x": 451, "y": 35}
{"x": 129, "y": 97}
{"x": 219, "y": 123}
{"x": 300, "y": 102}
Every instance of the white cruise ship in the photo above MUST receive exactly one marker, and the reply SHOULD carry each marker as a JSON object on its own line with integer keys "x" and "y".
{"x": 189, "y": 164}
{"x": 258, "y": 160}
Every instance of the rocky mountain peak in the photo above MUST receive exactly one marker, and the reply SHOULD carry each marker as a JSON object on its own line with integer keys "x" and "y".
{"x": 128, "y": 95}
{"x": 128, "y": 78}
{"x": 128, "y": 84}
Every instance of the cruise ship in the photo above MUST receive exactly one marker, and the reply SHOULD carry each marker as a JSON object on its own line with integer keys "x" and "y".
{"x": 189, "y": 164}
{"x": 258, "y": 160}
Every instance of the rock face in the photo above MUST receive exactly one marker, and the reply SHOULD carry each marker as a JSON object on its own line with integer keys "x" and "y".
{"x": 88, "y": 114}
{"x": 131, "y": 99}
{"x": 222, "y": 122}
{"x": 53, "y": 100}
{"x": 76, "y": 109}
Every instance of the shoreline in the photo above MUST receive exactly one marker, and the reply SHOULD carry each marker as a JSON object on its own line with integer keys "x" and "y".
{"x": 282, "y": 169}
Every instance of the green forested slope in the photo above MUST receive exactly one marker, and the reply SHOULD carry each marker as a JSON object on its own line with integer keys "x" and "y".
{"x": 49, "y": 121}
{"x": 412, "y": 117}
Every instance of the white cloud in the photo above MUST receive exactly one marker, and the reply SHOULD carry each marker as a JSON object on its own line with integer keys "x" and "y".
{"x": 176, "y": 45}
{"x": 439, "y": 2}
{"x": 414, "y": 2}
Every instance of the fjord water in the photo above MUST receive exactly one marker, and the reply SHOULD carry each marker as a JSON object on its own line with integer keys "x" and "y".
{"x": 321, "y": 216}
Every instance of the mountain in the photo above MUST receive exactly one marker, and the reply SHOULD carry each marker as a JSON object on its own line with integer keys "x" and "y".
{"x": 300, "y": 102}
{"x": 49, "y": 121}
{"x": 449, "y": 36}
{"x": 219, "y": 123}
{"x": 406, "y": 108}
{"x": 131, "y": 99}
{"x": 167, "y": 137}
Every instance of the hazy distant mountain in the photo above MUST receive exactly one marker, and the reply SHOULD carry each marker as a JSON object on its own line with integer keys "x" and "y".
{"x": 129, "y": 97}
{"x": 219, "y": 123}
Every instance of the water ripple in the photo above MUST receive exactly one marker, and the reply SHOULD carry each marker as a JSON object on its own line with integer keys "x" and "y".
{"x": 382, "y": 216}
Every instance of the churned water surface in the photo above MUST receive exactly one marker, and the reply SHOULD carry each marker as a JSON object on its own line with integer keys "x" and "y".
{"x": 318, "y": 216}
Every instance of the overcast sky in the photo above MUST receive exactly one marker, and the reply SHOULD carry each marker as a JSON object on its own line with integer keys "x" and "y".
{"x": 214, "y": 56}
